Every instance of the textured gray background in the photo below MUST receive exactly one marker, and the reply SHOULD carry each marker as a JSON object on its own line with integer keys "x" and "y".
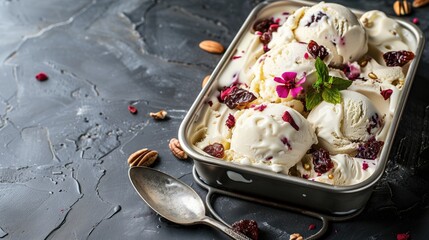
{"x": 64, "y": 142}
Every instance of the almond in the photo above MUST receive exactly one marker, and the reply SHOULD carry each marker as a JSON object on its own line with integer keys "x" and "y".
{"x": 143, "y": 157}
{"x": 420, "y": 3}
{"x": 211, "y": 46}
{"x": 205, "y": 80}
{"x": 176, "y": 149}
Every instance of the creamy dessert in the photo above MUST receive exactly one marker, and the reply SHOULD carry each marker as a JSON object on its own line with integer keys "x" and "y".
{"x": 309, "y": 93}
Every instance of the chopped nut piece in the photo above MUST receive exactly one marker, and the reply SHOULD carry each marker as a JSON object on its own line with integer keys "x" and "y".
{"x": 211, "y": 46}
{"x": 372, "y": 75}
{"x": 159, "y": 115}
{"x": 420, "y": 3}
{"x": 307, "y": 166}
{"x": 176, "y": 149}
{"x": 331, "y": 176}
{"x": 143, "y": 157}
{"x": 205, "y": 80}
{"x": 296, "y": 236}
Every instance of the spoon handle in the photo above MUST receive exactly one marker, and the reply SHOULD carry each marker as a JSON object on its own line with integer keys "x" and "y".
{"x": 224, "y": 228}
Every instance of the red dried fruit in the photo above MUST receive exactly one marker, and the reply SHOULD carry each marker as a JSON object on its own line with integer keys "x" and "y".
{"x": 236, "y": 97}
{"x": 312, "y": 227}
{"x": 365, "y": 165}
{"x": 210, "y": 103}
{"x": 285, "y": 141}
{"x": 317, "y": 50}
{"x": 260, "y": 107}
{"x": 265, "y": 38}
{"x": 42, "y": 76}
{"x": 316, "y": 18}
{"x": 322, "y": 161}
{"x": 416, "y": 21}
{"x": 374, "y": 122}
{"x": 235, "y": 57}
{"x": 247, "y": 227}
{"x": 288, "y": 118}
{"x": 273, "y": 27}
{"x": 402, "y": 236}
{"x": 305, "y": 176}
{"x": 386, "y": 93}
{"x": 226, "y": 91}
{"x": 306, "y": 55}
{"x": 351, "y": 71}
{"x": 132, "y": 109}
{"x": 263, "y": 25}
{"x": 398, "y": 58}
{"x": 230, "y": 122}
{"x": 369, "y": 149}
{"x": 215, "y": 150}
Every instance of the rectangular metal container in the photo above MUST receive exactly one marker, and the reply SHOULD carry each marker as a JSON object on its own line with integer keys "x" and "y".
{"x": 281, "y": 188}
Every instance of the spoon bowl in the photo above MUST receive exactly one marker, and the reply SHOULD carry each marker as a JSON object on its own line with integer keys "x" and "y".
{"x": 174, "y": 200}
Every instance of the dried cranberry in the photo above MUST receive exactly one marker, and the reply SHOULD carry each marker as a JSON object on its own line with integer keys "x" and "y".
{"x": 247, "y": 227}
{"x": 288, "y": 118}
{"x": 351, "y": 71}
{"x": 42, "y": 76}
{"x": 285, "y": 141}
{"x": 322, "y": 161}
{"x": 316, "y": 18}
{"x": 132, "y": 109}
{"x": 402, "y": 236}
{"x": 312, "y": 227}
{"x": 215, "y": 150}
{"x": 230, "y": 122}
{"x": 317, "y": 50}
{"x": 386, "y": 93}
{"x": 398, "y": 58}
{"x": 305, "y": 176}
{"x": 265, "y": 38}
{"x": 365, "y": 166}
{"x": 237, "y": 97}
{"x": 369, "y": 149}
{"x": 263, "y": 25}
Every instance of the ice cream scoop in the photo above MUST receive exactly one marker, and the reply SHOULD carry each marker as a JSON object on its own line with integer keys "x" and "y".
{"x": 341, "y": 127}
{"x": 275, "y": 138}
{"x": 333, "y": 26}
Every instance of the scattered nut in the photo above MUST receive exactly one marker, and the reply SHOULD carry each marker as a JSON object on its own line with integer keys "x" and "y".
{"x": 366, "y": 23}
{"x": 176, "y": 149}
{"x": 402, "y": 7}
{"x": 372, "y": 75}
{"x": 205, "y": 80}
{"x": 211, "y": 46}
{"x": 307, "y": 166}
{"x": 159, "y": 115}
{"x": 296, "y": 236}
{"x": 143, "y": 157}
{"x": 420, "y": 3}
{"x": 331, "y": 176}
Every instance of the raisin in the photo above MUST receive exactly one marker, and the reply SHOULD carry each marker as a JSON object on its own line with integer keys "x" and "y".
{"x": 238, "y": 97}
{"x": 398, "y": 58}
{"x": 317, "y": 50}
{"x": 369, "y": 149}
{"x": 322, "y": 161}
{"x": 215, "y": 150}
{"x": 247, "y": 227}
{"x": 263, "y": 25}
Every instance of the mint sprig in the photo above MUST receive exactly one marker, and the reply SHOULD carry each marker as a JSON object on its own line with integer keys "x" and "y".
{"x": 326, "y": 88}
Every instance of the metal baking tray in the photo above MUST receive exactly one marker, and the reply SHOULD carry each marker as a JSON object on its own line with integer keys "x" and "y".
{"x": 281, "y": 188}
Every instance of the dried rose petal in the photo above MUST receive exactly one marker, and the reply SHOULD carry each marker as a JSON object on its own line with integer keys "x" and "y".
{"x": 312, "y": 227}
{"x": 397, "y": 58}
{"x": 386, "y": 93}
{"x": 247, "y": 227}
{"x": 132, "y": 109}
{"x": 322, "y": 161}
{"x": 402, "y": 236}
{"x": 235, "y": 57}
{"x": 42, "y": 76}
{"x": 285, "y": 141}
{"x": 369, "y": 149}
{"x": 365, "y": 165}
{"x": 317, "y": 50}
{"x": 215, "y": 150}
{"x": 288, "y": 118}
{"x": 260, "y": 107}
{"x": 230, "y": 122}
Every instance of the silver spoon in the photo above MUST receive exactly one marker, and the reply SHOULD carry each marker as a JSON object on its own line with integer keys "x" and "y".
{"x": 174, "y": 200}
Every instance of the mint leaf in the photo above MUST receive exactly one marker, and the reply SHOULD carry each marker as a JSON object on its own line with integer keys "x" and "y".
{"x": 312, "y": 99}
{"x": 322, "y": 70}
{"x": 340, "y": 83}
{"x": 331, "y": 95}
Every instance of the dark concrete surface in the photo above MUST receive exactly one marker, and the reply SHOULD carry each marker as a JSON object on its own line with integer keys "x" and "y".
{"x": 64, "y": 142}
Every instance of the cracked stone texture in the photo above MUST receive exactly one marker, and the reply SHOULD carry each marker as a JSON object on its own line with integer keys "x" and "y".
{"x": 64, "y": 142}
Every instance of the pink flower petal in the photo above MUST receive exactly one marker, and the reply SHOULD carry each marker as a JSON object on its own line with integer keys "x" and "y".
{"x": 289, "y": 76}
{"x": 302, "y": 80}
{"x": 296, "y": 91}
{"x": 289, "y": 119}
{"x": 282, "y": 91}
{"x": 279, "y": 80}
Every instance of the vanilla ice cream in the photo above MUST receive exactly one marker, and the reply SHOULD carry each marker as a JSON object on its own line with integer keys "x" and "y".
{"x": 341, "y": 127}
{"x": 275, "y": 138}
{"x": 333, "y": 26}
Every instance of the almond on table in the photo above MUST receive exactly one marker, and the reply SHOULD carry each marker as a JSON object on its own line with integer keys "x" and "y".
{"x": 212, "y": 46}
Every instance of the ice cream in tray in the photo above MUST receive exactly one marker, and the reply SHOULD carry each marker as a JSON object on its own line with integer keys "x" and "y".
{"x": 304, "y": 104}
